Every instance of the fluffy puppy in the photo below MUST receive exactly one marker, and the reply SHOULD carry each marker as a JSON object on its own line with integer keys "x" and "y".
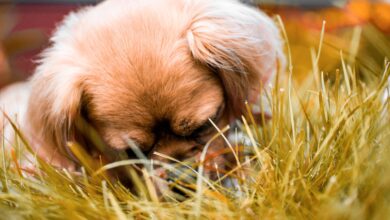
{"x": 153, "y": 72}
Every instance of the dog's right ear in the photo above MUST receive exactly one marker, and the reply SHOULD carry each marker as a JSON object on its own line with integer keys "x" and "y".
{"x": 56, "y": 96}
{"x": 240, "y": 44}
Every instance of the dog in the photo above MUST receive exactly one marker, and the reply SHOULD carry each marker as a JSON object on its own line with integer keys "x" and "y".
{"x": 152, "y": 72}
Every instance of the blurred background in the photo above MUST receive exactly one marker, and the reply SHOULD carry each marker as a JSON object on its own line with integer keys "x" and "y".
{"x": 361, "y": 28}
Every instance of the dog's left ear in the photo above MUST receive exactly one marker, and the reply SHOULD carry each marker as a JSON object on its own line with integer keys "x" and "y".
{"x": 241, "y": 44}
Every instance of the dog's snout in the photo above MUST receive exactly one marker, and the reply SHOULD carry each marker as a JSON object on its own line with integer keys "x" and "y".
{"x": 178, "y": 152}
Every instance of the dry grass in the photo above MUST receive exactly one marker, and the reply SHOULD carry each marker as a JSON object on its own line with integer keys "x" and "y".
{"x": 325, "y": 154}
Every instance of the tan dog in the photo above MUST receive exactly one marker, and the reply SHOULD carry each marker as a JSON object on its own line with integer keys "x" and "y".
{"x": 154, "y": 72}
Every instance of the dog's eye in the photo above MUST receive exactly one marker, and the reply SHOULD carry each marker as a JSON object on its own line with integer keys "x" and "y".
{"x": 130, "y": 154}
{"x": 207, "y": 126}
{"x": 203, "y": 129}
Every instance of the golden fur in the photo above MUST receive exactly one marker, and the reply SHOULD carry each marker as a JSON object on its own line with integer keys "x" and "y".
{"x": 150, "y": 71}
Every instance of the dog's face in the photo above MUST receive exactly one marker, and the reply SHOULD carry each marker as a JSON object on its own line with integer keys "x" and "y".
{"x": 152, "y": 72}
{"x": 163, "y": 107}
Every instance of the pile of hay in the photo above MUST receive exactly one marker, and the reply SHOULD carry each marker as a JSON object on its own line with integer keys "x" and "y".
{"x": 324, "y": 154}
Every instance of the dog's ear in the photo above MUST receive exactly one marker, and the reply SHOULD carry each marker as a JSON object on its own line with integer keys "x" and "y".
{"x": 56, "y": 93}
{"x": 241, "y": 44}
{"x": 55, "y": 104}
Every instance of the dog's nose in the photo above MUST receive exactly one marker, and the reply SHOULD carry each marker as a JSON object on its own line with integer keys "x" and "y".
{"x": 181, "y": 180}
{"x": 177, "y": 179}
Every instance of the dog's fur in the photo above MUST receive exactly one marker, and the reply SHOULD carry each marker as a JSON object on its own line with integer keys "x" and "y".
{"x": 150, "y": 71}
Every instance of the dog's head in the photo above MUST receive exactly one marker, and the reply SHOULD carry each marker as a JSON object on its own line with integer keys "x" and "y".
{"x": 154, "y": 72}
